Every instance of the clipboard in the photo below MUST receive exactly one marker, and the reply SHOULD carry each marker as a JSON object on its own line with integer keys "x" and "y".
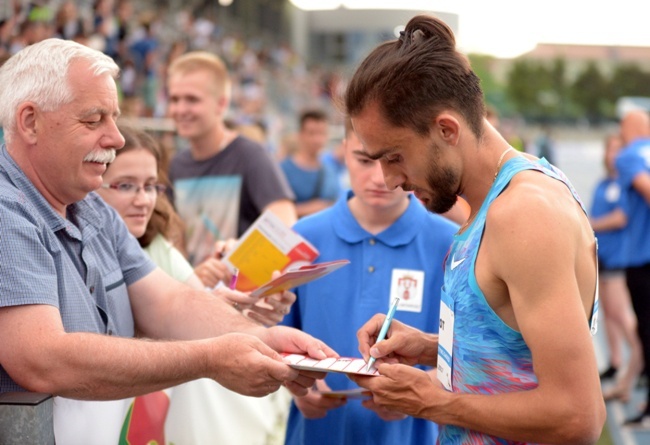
{"x": 296, "y": 277}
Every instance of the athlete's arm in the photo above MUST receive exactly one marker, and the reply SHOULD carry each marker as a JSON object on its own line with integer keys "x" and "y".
{"x": 544, "y": 234}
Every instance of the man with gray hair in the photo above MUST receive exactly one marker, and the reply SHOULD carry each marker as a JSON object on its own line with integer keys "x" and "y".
{"x": 79, "y": 286}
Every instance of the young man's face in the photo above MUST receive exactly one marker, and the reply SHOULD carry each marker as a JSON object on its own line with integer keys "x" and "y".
{"x": 313, "y": 135}
{"x": 75, "y": 142}
{"x": 408, "y": 160}
{"x": 367, "y": 178}
{"x": 194, "y": 104}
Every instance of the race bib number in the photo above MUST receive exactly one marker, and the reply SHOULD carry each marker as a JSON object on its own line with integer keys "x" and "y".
{"x": 446, "y": 340}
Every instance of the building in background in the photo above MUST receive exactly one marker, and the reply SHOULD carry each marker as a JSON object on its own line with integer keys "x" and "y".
{"x": 342, "y": 37}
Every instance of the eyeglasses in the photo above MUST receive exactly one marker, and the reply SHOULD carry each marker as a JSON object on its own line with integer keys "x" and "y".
{"x": 131, "y": 189}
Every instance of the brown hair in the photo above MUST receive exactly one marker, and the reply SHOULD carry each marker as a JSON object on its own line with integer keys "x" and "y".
{"x": 164, "y": 220}
{"x": 412, "y": 79}
{"x": 313, "y": 115}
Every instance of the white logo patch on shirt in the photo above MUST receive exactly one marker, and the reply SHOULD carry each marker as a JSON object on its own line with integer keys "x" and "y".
{"x": 408, "y": 286}
{"x": 455, "y": 264}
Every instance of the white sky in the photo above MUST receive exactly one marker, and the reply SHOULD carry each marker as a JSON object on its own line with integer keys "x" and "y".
{"x": 507, "y": 28}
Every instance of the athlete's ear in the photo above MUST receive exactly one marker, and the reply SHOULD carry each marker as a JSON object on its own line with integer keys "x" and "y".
{"x": 447, "y": 127}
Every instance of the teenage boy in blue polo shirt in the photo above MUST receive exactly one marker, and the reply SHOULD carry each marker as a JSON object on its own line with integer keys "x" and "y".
{"x": 396, "y": 249}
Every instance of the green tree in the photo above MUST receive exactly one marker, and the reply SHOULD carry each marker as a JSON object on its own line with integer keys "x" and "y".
{"x": 537, "y": 90}
{"x": 522, "y": 87}
{"x": 630, "y": 80}
{"x": 590, "y": 94}
{"x": 560, "y": 88}
{"x": 493, "y": 91}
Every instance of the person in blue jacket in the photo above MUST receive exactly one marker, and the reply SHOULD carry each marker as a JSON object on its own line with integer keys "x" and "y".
{"x": 608, "y": 219}
{"x": 633, "y": 166}
{"x": 396, "y": 248}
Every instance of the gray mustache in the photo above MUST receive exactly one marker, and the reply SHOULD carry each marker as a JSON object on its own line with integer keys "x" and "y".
{"x": 103, "y": 156}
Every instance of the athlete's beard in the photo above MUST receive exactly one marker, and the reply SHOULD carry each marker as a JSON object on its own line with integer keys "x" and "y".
{"x": 441, "y": 182}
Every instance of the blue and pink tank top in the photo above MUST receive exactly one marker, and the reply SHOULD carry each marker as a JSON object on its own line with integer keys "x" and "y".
{"x": 492, "y": 357}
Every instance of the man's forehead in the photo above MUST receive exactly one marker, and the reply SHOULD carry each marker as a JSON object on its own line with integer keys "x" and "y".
{"x": 373, "y": 144}
{"x": 377, "y": 152}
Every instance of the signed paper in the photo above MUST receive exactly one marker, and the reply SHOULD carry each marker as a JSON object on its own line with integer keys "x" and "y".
{"x": 347, "y": 365}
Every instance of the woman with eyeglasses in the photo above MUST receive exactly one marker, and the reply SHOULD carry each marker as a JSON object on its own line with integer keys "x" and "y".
{"x": 134, "y": 185}
{"x": 201, "y": 411}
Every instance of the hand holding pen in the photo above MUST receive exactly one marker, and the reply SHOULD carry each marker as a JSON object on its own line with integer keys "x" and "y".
{"x": 384, "y": 329}
{"x": 406, "y": 344}
{"x": 233, "y": 279}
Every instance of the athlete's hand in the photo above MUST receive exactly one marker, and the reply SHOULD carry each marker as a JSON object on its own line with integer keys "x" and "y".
{"x": 403, "y": 344}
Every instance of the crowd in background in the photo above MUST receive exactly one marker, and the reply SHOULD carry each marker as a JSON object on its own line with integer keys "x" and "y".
{"x": 271, "y": 83}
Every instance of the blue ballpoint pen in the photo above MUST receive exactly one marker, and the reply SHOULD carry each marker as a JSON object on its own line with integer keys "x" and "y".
{"x": 384, "y": 329}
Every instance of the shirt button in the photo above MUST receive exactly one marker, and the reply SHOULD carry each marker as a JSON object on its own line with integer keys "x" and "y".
{"x": 92, "y": 289}
{"x": 371, "y": 269}
{"x": 372, "y": 241}
{"x": 110, "y": 332}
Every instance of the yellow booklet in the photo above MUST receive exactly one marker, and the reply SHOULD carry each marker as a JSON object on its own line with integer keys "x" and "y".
{"x": 266, "y": 246}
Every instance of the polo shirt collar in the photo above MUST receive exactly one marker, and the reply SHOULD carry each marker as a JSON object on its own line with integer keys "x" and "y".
{"x": 400, "y": 233}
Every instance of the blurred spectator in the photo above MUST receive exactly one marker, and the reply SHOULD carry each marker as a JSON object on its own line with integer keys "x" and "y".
{"x": 105, "y": 24}
{"x": 288, "y": 146}
{"x": 68, "y": 23}
{"x": 545, "y": 145}
{"x": 254, "y": 131}
{"x": 224, "y": 181}
{"x": 314, "y": 183}
{"x": 633, "y": 166}
{"x": 144, "y": 53}
{"x": 335, "y": 159}
{"x": 608, "y": 220}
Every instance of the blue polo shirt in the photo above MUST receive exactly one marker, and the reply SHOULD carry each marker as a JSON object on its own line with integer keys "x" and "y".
{"x": 334, "y": 307}
{"x": 607, "y": 198}
{"x": 630, "y": 162}
{"x": 81, "y": 265}
{"x": 311, "y": 184}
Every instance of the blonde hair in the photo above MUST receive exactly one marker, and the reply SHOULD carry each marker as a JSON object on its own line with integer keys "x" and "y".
{"x": 203, "y": 61}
